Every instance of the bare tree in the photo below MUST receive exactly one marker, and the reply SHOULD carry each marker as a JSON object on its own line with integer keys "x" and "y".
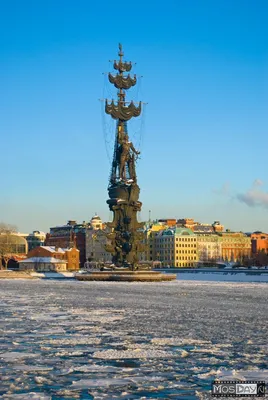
{"x": 6, "y": 245}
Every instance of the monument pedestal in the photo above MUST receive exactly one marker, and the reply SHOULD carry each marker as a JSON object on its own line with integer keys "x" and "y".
{"x": 126, "y": 276}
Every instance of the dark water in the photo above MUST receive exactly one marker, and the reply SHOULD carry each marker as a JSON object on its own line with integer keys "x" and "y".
{"x": 90, "y": 340}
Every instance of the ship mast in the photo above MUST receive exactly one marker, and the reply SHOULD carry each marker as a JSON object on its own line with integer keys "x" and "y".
{"x": 121, "y": 111}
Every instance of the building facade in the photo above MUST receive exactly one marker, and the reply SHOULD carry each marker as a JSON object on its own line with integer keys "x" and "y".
{"x": 235, "y": 246}
{"x": 95, "y": 246}
{"x": 73, "y": 235}
{"x": 209, "y": 247}
{"x": 43, "y": 264}
{"x": 69, "y": 256}
{"x": 69, "y": 236}
{"x": 176, "y": 247}
{"x": 13, "y": 247}
{"x": 35, "y": 239}
{"x": 259, "y": 243}
{"x": 150, "y": 243}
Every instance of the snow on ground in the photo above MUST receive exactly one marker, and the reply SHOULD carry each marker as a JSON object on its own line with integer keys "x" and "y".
{"x": 107, "y": 340}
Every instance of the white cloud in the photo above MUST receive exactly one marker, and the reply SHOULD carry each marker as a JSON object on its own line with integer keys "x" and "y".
{"x": 255, "y": 196}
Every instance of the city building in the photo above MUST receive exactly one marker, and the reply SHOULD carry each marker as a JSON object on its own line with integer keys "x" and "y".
{"x": 150, "y": 234}
{"x": 176, "y": 247}
{"x": 169, "y": 222}
{"x": 95, "y": 246}
{"x": 96, "y": 222}
{"x": 70, "y": 256}
{"x": 209, "y": 247}
{"x": 68, "y": 236}
{"x": 259, "y": 243}
{"x": 35, "y": 239}
{"x": 186, "y": 223}
{"x": 73, "y": 235}
{"x": 43, "y": 264}
{"x": 235, "y": 246}
{"x": 195, "y": 226}
{"x": 217, "y": 226}
{"x": 13, "y": 247}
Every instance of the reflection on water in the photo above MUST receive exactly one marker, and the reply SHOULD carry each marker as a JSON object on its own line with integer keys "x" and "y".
{"x": 90, "y": 340}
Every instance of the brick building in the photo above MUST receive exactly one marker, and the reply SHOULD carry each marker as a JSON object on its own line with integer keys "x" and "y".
{"x": 71, "y": 256}
{"x": 69, "y": 236}
{"x": 259, "y": 243}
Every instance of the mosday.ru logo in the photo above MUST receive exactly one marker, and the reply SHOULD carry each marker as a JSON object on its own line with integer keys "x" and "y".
{"x": 246, "y": 388}
{"x": 239, "y": 389}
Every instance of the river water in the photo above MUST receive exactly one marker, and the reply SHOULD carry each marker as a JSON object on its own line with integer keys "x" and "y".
{"x": 108, "y": 340}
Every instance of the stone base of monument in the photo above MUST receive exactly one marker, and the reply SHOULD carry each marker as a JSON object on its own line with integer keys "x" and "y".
{"x": 126, "y": 276}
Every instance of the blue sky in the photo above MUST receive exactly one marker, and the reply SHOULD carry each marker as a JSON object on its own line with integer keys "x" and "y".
{"x": 204, "y": 131}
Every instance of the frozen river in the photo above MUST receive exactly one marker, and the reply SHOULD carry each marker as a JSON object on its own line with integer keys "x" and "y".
{"x": 107, "y": 340}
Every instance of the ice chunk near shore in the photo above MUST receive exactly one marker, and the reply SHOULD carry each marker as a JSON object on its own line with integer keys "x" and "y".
{"x": 15, "y": 355}
{"x": 26, "y": 396}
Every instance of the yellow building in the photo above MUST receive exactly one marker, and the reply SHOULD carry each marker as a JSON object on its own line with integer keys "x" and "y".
{"x": 235, "y": 245}
{"x": 176, "y": 247}
{"x": 150, "y": 235}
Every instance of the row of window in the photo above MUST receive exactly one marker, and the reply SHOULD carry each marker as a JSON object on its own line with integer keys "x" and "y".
{"x": 170, "y": 246}
{"x": 185, "y": 264}
{"x": 186, "y": 251}
{"x": 170, "y": 259}
{"x": 186, "y": 245}
{"x": 186, "y": 239}
{"x": 180, "y": 239}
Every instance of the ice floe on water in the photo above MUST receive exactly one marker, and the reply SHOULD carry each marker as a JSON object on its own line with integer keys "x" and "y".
{"x": 74, "y": 340}
{"x": 30, "y": 368}
{"x": 176, "y": 341}
{"x": 13, "y": 356}
{"x": 137, "y": 353}
{"x": 26, "y": 396}
{"x": 96, "y": 368}
{"x": 100, "y": 383}
{"x": 67, "y": 340}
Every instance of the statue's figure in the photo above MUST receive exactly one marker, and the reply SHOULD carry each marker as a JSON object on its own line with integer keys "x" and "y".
{"x": 127, "y": 158}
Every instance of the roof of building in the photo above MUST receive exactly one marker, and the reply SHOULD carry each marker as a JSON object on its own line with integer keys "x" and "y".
{"x": 166, "y": 232}
{"x": 53, "y": 249}
{"x": 51, "y": 260}
{"x": 12, "y": 238}
{"x": 203, "y": 228}
{"x": 184, "y": 231}
{"x": 95, "y": 217}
